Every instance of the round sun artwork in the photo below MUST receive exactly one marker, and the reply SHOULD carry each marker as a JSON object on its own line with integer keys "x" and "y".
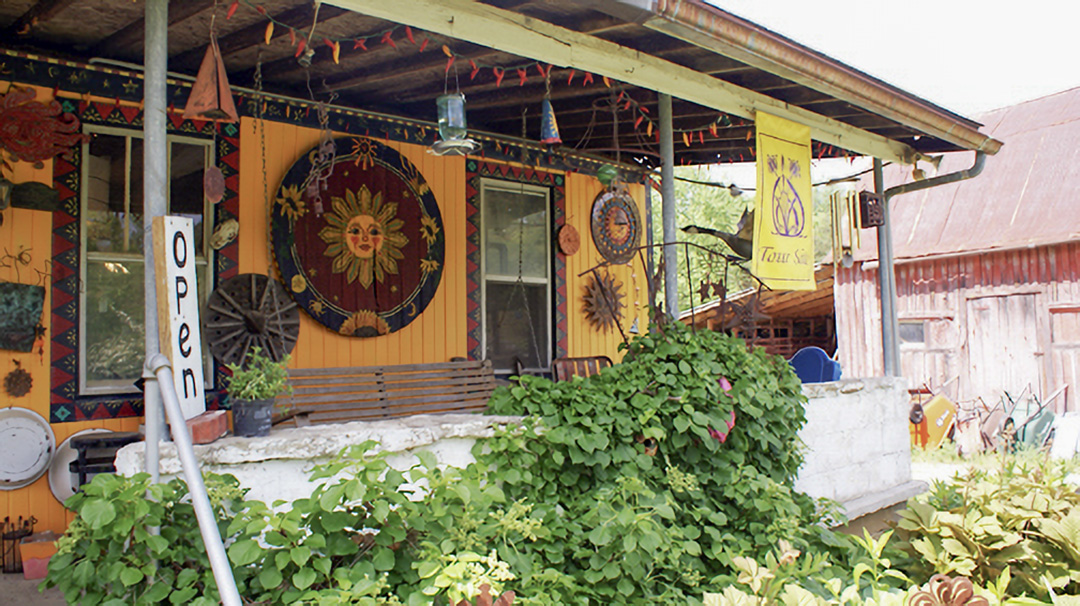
{"x": 370, "y": 263}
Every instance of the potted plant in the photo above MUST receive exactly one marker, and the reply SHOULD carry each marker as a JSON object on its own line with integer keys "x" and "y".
{"x": 252, "y": 390}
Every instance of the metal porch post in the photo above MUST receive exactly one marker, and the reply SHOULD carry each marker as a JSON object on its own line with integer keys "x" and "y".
{"x": 890, "y": 328}
{"x": 667, "y": 191}
{"x": 155, "y": 184}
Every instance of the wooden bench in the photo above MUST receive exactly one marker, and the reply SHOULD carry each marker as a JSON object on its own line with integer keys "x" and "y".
{"x": 339, "y": 395}
{"x": 565, "y": 369}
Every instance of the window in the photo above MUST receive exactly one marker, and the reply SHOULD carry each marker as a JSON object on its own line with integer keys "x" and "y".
{"x": 112, "y": 349}
{"x": 515, "y": 225}
{"x": 912, "y": 332}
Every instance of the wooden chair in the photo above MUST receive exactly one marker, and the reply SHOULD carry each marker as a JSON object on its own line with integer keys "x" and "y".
{"x": 566, "y": 369}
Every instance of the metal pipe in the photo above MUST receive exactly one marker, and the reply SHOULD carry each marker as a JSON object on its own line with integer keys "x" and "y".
{"x": 890, "y": 325}
{"x": 890, "y": 328}
{"x": 667, "y": 193}
{"x": 215, "y": 550}
{"x": 155, "y": 187}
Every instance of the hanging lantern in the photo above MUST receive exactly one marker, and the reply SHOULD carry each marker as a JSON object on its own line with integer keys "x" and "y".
{"x": 452, "y": 127}
{"x": 211, "y": 98}
{"x": 549, "y": 128}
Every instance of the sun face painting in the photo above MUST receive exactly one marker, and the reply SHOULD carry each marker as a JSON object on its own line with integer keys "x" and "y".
{"x": 370, "y": 262}
{"x": 364, "y": 236}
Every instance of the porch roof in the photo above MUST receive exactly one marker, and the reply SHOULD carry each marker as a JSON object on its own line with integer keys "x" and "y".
{"x": 719, "y": 68}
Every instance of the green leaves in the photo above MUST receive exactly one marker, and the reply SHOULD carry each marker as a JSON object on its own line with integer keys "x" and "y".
{"x": 98, "y": 513}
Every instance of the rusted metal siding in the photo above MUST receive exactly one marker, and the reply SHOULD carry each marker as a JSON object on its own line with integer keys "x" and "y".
{"x": 1025, "y": 196}
{"x": 1015, "y": 310}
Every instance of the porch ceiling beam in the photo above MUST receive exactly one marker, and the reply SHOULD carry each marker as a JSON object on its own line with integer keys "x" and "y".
{"x": 542, "y": 41}
{"x": 134, "y": 33}
{"x": 40, "y": 12}
{"x": 725, "y": 34}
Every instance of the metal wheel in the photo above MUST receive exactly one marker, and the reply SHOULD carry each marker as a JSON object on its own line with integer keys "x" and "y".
{"x": 251, "y": 310}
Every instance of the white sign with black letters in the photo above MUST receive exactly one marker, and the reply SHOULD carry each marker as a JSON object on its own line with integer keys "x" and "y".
{"x": 178, "y": 309}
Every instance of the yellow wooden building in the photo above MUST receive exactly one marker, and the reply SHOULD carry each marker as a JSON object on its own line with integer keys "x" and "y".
{"x": 626, "y": 79}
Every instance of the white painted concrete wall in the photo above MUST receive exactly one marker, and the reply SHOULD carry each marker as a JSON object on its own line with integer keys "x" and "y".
{"x": 858, "y": 445}
{"x": 277, "y": 467}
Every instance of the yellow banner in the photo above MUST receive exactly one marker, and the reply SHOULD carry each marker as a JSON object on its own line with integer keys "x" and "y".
{"x": 783, "y": 219}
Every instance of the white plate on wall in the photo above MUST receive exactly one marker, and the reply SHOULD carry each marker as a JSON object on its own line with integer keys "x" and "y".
{"x": 27, "y": 444}
{"x": 61, "y": 480}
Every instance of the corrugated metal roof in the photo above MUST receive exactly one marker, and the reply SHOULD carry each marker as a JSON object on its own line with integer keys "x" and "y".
{"x": 1027, "y": 195}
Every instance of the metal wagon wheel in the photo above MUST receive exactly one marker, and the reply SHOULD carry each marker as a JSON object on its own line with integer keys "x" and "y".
{"x": 251, "y": 310}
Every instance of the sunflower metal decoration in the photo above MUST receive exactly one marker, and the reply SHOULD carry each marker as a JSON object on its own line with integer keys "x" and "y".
{"x": 372, "y": 261}
{"x": 603, "y": 301}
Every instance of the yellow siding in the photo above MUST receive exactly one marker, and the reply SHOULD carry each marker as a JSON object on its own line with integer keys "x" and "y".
{"x": 584, "y": 339}
{"x": 436, "y": 335}
{"x": 32, "y": 230}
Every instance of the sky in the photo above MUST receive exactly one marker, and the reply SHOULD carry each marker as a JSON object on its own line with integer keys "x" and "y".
{"x": 968, "y": 56}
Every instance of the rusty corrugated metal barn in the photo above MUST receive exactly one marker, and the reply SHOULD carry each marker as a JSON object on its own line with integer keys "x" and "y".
{"x": 988, "y": 270}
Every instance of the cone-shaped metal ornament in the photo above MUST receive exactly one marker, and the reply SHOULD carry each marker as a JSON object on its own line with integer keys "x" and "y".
{"x": 210, "y": 97}
{"x": 549, "y": 128}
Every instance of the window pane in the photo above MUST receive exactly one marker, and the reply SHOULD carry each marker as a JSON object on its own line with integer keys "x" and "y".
{"x": 114, "y": 322}
{"x": 186, "y": 167}
{"x": 512, "y": 221}
{"x": 510, "y": 334}
{"x": 113, "y": 225}
{"x": 912, "y": 332}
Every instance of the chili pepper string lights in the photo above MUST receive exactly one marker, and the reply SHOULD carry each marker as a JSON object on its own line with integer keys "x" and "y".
{"x": 396, "y": 36}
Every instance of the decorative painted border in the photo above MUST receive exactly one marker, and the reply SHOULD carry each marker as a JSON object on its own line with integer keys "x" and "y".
{"x": 65, "y": 404}
{"x": 476, "y": 169}
{"x": 74, "y": 79}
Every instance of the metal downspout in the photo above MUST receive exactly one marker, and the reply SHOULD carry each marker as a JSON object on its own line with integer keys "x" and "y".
{"x": 155, "y": 180}
{"x": 667, "y": 192}
{"x": 890, "y": 326}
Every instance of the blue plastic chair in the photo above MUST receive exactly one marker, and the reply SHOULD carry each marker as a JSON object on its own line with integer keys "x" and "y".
{"x": 813, "y": 365}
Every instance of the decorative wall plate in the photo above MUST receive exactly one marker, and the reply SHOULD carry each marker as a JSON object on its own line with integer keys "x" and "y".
{"x": 61, "y": 480}
{"x": 616, "y": 226}
{"x": 27, "y": 444}
{"x": 370, "y": 263}
{"x": 569, "y": 239}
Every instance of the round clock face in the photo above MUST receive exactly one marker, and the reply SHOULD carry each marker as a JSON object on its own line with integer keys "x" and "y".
{"x": 616, "y": 226}
{"x": 358, "y": 238}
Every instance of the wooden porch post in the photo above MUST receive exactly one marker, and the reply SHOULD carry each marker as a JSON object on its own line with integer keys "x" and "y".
{"x": 890, "y": 342}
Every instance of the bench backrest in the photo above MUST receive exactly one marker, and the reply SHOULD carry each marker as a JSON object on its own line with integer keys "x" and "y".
{"x": 337, "y": 395}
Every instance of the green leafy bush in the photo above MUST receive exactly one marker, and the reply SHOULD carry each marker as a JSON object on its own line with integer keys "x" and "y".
{"x": 632, "y": 526}
{"x": 1022, "y": 517}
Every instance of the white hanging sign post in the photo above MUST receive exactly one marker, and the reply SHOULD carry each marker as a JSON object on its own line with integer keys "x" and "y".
{"x": 178, "y": 309}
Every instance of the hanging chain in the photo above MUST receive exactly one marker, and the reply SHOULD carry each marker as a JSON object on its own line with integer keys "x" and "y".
{"x": 322, "y": 166}
{"x": 261, "y": 110}
{"x": 520, "y": 286}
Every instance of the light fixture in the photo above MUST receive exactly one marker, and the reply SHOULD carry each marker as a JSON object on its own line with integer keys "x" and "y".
{"x": 210, "y": 98}
{"x": 549, "y": 127}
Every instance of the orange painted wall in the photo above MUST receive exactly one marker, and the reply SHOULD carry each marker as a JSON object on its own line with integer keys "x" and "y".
{"x": 584, "y": 339}
{"x": 436, "y": 335}
{"x": 32, "y": 231}
{"x": 440, "y": 332}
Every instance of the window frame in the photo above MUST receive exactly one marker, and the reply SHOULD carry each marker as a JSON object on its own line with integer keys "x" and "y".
{"x": 205, "y": 257}
{"x": 547, "y": 340}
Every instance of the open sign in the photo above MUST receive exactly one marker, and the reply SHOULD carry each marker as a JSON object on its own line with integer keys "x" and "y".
{"x": 178, "y": 309}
